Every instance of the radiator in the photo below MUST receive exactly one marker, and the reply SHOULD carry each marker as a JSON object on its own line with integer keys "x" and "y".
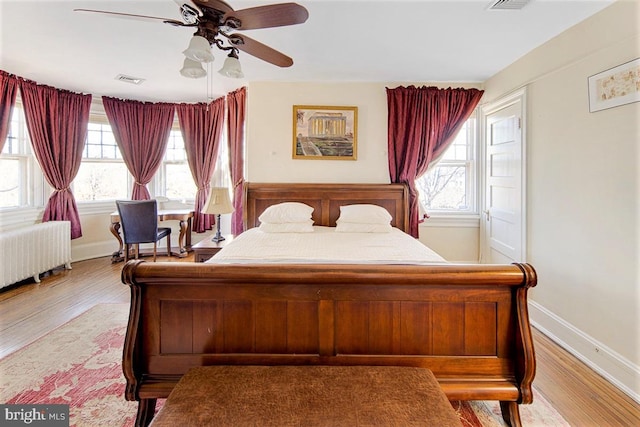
{"x": 28, "y": 251}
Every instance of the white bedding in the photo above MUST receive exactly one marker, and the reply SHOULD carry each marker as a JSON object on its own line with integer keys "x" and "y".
{"x": 325, "y": 245}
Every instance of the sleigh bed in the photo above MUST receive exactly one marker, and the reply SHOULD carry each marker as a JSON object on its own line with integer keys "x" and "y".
{"x": 468, "y": 324}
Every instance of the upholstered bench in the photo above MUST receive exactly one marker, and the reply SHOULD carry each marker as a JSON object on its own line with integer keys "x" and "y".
{"x": 307, "y": 396}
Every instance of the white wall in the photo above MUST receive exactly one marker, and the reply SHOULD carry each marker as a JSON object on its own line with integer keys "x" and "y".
{"x": 270, "y": 134}
{"x": 583, "y": 186}
{"x": 457, "y": 240}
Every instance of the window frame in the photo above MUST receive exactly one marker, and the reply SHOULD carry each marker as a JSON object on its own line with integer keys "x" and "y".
{"x": 33, "y": 185}
{"x": 221, "y": 176}
{"x": 469, "y": 217}
{"x": 158, "y": 185}
{"x": 84, "y": 205}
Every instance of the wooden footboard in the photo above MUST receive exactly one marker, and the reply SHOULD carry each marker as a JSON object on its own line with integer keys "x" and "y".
{"x": 467, "y": 323}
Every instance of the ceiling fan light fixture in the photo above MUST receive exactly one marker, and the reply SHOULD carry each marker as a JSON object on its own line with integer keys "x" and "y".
{"x": 199, "y": 50}
{"x": 231, "y": 67}
{"x": 192, "y": 69}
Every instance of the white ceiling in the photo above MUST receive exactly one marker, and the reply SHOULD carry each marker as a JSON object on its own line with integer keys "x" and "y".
{"x": 360, "y": 41}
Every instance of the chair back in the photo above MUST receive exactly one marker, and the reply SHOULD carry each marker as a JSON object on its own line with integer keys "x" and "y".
{"x": 139, "y": 219}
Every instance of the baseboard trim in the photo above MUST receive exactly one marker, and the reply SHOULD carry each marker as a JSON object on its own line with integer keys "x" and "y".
{"x": 615, "y": 368}
{"x": 92, "y": 250}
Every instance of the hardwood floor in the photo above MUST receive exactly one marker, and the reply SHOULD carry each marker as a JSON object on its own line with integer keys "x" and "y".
{"x": 31, "y": 310}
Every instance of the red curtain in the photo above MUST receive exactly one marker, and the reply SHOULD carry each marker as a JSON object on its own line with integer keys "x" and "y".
{"x": 8, "y": 91}
{"x": 57, "y": 124}
{"x": 235, "y": 123}
{"x": 141, "y": 130}
{"x": 201, "y": 126}
{"x": 422, "y": 122}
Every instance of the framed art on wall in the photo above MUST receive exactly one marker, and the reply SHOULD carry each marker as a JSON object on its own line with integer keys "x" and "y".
{"x": 325, "y": 133}
{"x": 614, "y": 87}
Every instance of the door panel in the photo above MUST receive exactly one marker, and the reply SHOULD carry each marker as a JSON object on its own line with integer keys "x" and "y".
{"x": 503, "y": 212}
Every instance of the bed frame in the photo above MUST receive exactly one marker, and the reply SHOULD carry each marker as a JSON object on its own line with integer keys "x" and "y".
{"x": 468, "y": 324}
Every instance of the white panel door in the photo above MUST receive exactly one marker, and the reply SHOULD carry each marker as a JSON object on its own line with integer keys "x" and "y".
{"x": 503, "y": 215}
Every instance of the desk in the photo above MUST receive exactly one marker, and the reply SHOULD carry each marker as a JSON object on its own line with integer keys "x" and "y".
{"x": 184, "y": 241}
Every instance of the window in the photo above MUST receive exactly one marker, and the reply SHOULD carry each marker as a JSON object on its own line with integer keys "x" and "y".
{"x": 177, "y": 181}
{"x": 16, "y": 162}
{"x": 222, "y": 173}
{"x": 102, "y": 174}
{"x": 450, "y": 187}
{"x": 175, "y": 178}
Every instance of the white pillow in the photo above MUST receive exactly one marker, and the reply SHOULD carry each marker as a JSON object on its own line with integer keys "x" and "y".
{"x": 287, "y": 227}
{"x": 359, "y": 227}
{"x": 365, "y": 214}
{"x": 286, "y": 212}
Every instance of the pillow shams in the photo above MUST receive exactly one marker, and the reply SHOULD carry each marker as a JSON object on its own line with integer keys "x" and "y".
{"x": 288, "y": 227}
{"x": 286, "y": 212}
{"x": 364, "y": 214}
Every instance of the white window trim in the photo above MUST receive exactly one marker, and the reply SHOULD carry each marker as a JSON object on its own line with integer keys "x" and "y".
{"x": 469, "y": 219}
{"x": 98, "y": 116}
{"x": 37, "y": 190}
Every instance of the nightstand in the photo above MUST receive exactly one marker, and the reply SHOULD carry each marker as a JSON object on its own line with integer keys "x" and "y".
{"x": 206, "y": 248}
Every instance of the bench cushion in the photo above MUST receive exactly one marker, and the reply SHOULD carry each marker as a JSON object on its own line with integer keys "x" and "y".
{"x": 307, "y": 395}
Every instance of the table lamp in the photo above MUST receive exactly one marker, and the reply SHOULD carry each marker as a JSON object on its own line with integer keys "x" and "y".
{"x": 218, "y": 203}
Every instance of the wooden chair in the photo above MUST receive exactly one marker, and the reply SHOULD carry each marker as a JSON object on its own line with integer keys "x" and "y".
{"x": 139, "y": 220}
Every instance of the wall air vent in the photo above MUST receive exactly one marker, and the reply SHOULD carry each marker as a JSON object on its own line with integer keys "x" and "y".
{"x": 129, "y": 79}
{"x": 508, "y": 4}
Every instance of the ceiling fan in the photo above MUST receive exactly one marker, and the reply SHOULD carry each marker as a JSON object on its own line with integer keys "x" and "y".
{"x": 215, "y": 22}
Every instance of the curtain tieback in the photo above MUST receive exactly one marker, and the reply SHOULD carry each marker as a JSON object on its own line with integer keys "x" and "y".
{"x": 58, "y": 190}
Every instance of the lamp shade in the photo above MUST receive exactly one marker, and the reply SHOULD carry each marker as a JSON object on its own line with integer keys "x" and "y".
{"x": 199, "y": 50}
{"x": 192, "y": 69}
{"x": 218, "y": 202}
{"x": 232, "y": 68}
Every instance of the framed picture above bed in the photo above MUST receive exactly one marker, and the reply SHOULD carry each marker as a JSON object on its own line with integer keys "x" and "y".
{"x": 325, "y": 133}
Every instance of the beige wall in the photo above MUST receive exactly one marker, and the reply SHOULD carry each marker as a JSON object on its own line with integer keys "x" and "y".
{"x": 456, "y": 241}
{"x": 270, "y": 135}
{"x": 583, "y": 186}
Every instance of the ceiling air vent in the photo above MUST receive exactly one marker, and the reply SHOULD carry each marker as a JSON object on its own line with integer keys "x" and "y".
{"x": 129, "y": 79}
{"x": 508, "y": 4}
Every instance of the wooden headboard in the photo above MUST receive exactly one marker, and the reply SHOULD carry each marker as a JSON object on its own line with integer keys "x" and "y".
{"x": 326, "y": 200}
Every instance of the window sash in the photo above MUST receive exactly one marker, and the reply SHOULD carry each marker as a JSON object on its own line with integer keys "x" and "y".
{"x": 466, "y": 197}
{"x": 101, "y": 180}
{"x": 460, "y": 154}
{"x": 15, "y": 181}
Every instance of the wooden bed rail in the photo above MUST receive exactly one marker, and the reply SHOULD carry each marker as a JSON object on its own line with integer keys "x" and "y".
{"x": 469, "y": 324}
{"x": 468, "y": 274}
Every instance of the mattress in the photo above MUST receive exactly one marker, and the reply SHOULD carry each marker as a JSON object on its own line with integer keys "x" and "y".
{"x": 325, "y": 245}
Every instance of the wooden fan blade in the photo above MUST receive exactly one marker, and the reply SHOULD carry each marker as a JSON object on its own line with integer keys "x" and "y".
{"x": 274, "y": 15}
{"x": 131, "y": 16}
{"x": 259, "y": 50}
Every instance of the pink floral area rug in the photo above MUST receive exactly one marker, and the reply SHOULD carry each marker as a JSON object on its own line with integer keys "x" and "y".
{"x": 79, "y": 364}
